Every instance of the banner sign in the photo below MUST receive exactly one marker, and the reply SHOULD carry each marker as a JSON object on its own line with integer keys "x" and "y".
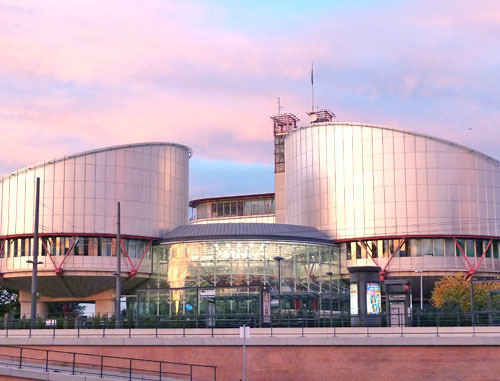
{"x": 354, "y": 298}
{"x": 373, "y": 299}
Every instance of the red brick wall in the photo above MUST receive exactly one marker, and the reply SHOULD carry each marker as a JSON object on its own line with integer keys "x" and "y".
{"x": 325, "y": 363}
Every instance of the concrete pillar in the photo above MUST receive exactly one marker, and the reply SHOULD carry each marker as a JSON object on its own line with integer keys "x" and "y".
{"x": 105, "y": 307}
{"x": 279, "y": 198}
{"x": 42, "y": 308}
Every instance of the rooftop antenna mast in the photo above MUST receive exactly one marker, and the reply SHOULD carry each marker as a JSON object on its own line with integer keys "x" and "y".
{"x": 280, "y": 107}
{"x": 312, "y": 85}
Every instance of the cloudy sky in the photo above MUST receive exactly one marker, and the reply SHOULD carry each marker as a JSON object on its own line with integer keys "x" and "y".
{"x": 77, "y": 75}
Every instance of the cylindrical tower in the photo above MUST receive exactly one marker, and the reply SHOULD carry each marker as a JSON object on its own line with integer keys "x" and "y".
{"x": 400, "y": 200}
{"x": 78, "y": 201}
{"x": 356, "y": 180}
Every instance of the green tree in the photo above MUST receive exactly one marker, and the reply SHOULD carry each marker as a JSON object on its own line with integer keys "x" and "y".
{"x": 9, "y": 302}
{"x": 451, "y": 292}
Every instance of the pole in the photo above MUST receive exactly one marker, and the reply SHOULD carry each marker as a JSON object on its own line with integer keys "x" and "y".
{"x": 472, "y": 300}
{"x": 34, "y": 275}
{"x": 421, "y": 292}
{"x": 118, "y": 268}
{"x": 312, "y": 86}
{"x": 244, "y": 353}
{"x": 330, "y": 274}
{"x": 279, "y": 259}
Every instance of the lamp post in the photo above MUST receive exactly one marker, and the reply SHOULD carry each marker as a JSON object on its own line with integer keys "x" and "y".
{"x": 279, "y": 259}
{"x": 420, "y": 271}
{"x": 34, "y": 275}
{"x": 330, "y": 274}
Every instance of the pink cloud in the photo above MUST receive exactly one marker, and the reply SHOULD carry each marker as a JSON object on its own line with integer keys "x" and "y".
{"x": 102, "y": 73}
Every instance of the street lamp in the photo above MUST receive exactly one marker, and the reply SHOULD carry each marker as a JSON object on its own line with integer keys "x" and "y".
{"x": 420, "y": 271}
{"x": 330, "y": 274}
{"x": 279, "y": 259}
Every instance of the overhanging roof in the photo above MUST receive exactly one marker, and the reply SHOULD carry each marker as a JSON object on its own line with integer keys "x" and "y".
{"x": 246, "y": 231}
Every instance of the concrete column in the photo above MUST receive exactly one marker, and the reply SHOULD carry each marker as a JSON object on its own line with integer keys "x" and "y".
{"x": 279, "y": 198}
{"x": 105, "y": 307}
{"x": 42, "y": 308}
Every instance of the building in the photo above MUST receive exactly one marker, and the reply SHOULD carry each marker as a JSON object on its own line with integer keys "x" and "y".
{"x": 78, "y": 215}
{"x": 407, "y": 202}
{"x": 230, "y": 264}
{"x": 346, "y": 195}
{"x": 258, "y": 208}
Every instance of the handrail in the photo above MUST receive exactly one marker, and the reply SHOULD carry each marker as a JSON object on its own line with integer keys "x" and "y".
{"x": 158, "y": 367}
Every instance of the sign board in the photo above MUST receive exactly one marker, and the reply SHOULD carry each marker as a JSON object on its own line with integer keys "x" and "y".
{"x": 210, "y": 293}
{"x": 244, "y": 332}
{"x": 275, "y": 302}
{"x": 373, "y": 298}
{"x": 397, "y": 297}
{"x": 354, "y": 298}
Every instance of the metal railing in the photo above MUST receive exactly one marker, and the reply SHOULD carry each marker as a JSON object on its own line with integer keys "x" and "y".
{"x": 103, "y": 366}
{"x": 317, "y": 319}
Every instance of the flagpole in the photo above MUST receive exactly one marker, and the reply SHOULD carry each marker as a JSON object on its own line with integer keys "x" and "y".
{"x": 312, "y": 85}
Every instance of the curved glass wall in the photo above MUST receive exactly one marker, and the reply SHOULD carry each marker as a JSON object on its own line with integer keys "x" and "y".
{"x": 236, "y": 267}
{"x": 430, "y": 254}
{"x": 80, "y": 246}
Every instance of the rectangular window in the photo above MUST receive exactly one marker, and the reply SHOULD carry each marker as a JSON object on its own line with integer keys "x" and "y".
{"x": 427, "y": 247}
{"x": 461, "y": 245}
{"x": 495, "y": 249}
{"x": 438, "y": 247}
{"x": 490, "y": 249}
{"x": 449, "y": 247}
{"x": 479, "y": 248}
{"x": 247, "y": 208}
{"x": 220, "y": 209}
{"x": 214, "y": 209}
{"x": 23, "y": 247}
{"x": 227, "y": 208}
{"x": 374, "y": 249}
{"x": 470, "y": 244}
{"x": 85, "y": 246}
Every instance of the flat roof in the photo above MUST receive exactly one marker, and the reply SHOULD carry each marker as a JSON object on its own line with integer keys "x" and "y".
{"x": 254, "y": 196}
{"x": 259, "y": 231}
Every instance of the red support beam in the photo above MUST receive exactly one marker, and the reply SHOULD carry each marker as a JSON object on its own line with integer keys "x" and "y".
{"x": 473, "y": 271}
{"x": 126, "y": 255}
{"x": 59, "y": 269}
{"x": 401, "y": 243}
{"x": 134, "y": 271}
{"x": 470, "y": 270}
{"x": 48, "y": 253}
{"x": 368, "y": 251}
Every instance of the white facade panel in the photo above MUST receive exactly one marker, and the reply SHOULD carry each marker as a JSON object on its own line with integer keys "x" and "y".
{"x": 355, "y": 180}
{"x": 78, "y": 194}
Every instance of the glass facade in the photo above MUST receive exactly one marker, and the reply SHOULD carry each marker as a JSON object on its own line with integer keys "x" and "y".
{"x": 355, "y": 180}
{"x": 83, "y": 245}
{"x": 430, "y": 254}
{"x": 236, "y": 267}
{"x": 234, "y": 208}
{"x": 270, "y": 219}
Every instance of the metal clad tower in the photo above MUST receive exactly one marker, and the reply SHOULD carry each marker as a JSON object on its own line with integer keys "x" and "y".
{"x": 282, "y": 125}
